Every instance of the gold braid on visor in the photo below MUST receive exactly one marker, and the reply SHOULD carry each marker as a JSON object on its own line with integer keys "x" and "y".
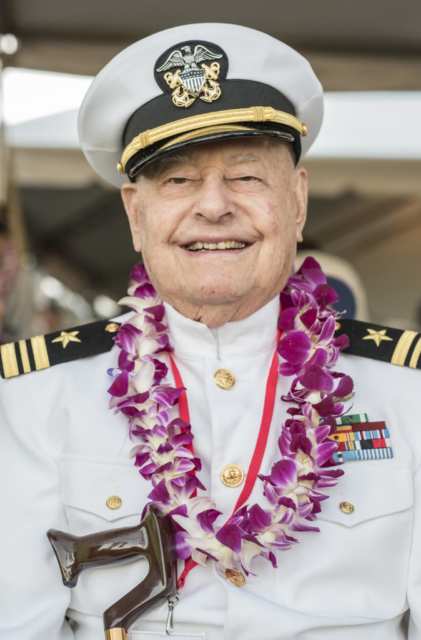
{"x": 202, "y": 122}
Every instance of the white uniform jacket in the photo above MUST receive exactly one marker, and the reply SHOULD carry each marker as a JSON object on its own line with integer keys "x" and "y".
{"x": 63, "y": 453}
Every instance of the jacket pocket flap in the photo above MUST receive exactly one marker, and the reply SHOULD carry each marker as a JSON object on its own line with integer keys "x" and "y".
{"x": 374, "y": 489}
{"x": 88, "y": 484}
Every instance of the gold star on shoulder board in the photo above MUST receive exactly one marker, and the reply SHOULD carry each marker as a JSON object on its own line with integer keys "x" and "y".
{"x": 377, "y": 336}
{"x": 65, "y": 338}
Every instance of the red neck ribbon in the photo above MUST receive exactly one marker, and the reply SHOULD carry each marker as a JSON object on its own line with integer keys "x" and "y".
{"x": 259, "y": 449}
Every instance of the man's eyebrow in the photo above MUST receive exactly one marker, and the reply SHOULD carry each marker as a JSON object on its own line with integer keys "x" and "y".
{"x": 157, "y": 168}
{"x": 244, "y": 158}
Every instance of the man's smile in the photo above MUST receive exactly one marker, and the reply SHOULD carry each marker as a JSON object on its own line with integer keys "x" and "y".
{"x": 219, "y": 245}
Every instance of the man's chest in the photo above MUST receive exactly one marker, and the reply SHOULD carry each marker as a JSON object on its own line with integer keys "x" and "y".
{"x": 356, "y": 566}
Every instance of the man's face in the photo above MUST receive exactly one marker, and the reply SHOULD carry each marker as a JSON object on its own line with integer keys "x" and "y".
{"x": 218, "y": 225}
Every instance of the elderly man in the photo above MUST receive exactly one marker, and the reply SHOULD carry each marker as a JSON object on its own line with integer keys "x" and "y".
{"x": 229, "y": 392}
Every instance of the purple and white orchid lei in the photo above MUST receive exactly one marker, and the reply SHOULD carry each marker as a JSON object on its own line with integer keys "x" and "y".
{"x": 293, "y": 488}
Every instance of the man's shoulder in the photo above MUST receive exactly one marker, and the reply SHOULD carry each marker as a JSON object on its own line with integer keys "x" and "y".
{"x": 45, "y": 351}
{"x": 385, "y": 344}
{"x": 367, "y": 340}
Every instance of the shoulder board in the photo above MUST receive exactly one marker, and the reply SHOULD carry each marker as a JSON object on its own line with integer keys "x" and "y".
{"x": 42, "y": 352}
{"x": 367, "y": 340}
{"x": 381, "y": 343}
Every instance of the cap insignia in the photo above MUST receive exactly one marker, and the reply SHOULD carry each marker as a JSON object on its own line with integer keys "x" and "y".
{"x": 195, "y": 80}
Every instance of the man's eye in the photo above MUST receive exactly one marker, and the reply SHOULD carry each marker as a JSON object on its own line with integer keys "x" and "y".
{"x": 178, "y": 180}
{"x": 246, "y": 178}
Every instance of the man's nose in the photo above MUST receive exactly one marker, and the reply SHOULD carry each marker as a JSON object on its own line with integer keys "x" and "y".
{"x": 213, "y": 198}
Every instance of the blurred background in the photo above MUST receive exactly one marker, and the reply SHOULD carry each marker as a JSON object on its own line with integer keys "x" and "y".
{"x": 65, "y": 248}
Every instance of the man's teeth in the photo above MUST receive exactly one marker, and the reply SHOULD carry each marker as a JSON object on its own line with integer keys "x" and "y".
{"x": 204, "y": 246}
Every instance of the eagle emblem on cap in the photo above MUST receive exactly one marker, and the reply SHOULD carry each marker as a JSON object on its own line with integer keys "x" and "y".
{"x": 193, "y": 81}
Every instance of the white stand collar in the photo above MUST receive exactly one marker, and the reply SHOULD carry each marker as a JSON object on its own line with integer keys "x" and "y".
{"x": 241, "y": 339}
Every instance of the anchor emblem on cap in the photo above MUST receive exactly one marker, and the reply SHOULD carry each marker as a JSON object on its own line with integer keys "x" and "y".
{"x": 193, "y": 81}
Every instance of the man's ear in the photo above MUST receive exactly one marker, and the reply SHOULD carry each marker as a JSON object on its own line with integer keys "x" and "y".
{"x": 301, "y": 201}
{"x": 130, "y": 197}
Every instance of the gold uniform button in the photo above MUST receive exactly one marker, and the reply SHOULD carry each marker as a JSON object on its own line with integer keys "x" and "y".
{"x": 112, "y": 327}
{"x": 224, "y": 379}
{"x": 114, "y": 502}
{"x": 232, "y": 475}
{"x": 346, "y": 507}
{"x": 235, "y": 577}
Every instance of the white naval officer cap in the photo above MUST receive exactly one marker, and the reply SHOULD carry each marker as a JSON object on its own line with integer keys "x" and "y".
{"x": 193, "y": 84}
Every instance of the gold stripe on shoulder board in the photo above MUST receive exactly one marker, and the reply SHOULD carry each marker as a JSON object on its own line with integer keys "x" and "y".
{"x": 9, "y": 360}
{"x": 415, "y": 356}
{"x": 24, "y": 356}
{"x": 403, "y": 346}
{"x": 39, "y": 349}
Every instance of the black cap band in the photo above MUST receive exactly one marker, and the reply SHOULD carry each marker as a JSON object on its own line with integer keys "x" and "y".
{"x": 235, "y": 94}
